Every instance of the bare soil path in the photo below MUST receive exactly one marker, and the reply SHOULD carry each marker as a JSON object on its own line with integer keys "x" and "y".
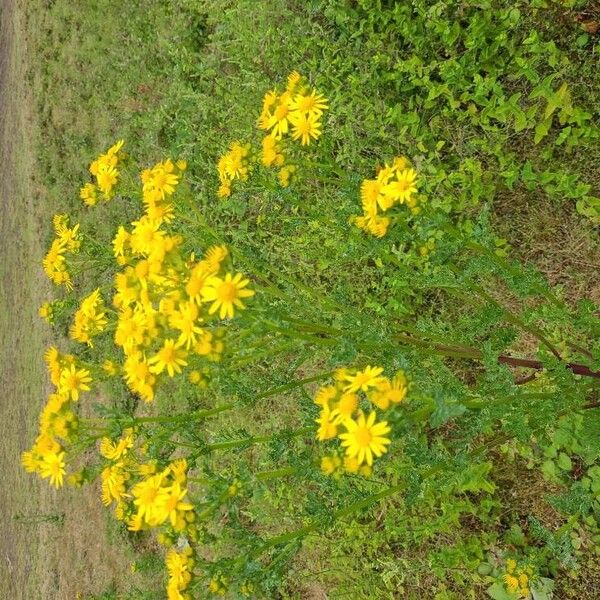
{"x": 21, "y": 378}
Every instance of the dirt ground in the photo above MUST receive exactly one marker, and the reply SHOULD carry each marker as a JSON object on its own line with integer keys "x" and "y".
{"x": 53, "y": 544}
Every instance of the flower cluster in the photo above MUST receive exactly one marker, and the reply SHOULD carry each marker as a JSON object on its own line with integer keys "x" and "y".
{"x": 517, "y": 579}
{"x": 105, "y": 172}
{"x": 148, "y": 498}
{"x": 165, "y": 304}
{"x": 89, "y": 320}
{"x": 342, "y": 406}
{"x": 234, "y": 164}
{"x": 296, "y": 112}
{"x": 179, "y": 566}
{"x": 165, "y": 301}
{"x": 66, "y": 242}
{"x": 299, "y": 107}
{"x": 46, "y": 312}
{"x": 58, "y": 421}
{"x": 395, "y": 184}
{"x": 159, "y": 184}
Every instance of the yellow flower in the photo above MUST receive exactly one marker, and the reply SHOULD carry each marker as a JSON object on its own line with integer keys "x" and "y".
{"x": 72, "y": 381}
{"x": 178, "y": 566}
{"x": 145, "y": 235}
{"x": 215, "y": 255}
{"x": 113, "y": 484}
{"x": 330, "y": 464}
{"x": 52, "y": 466}
{"x": 387, "y": 391}
{"x": 511, "y": 582}
{"x": 365, "y": 438}
{"x": 364, "y": 380}
{"x": 196, "y": 378}
{"x": 29, "y": 461}
{"x": 120, "y": 241}
{"x": 88, "y": 193}
{"x": 233, "y": 165}
{"x": 278, "y": 122}
{"x": 378, "y": 226}
{"x": 401, "y": 189}
{"x": 113, "y": 451}
{"x": 148, "y": 495}
{"x": 325, "y": 395}
{"x": 171, "y": 504}
{"x": 186, "y": 319}
{"x": 169, "y": 357}
{"x": 46, "y": 311}
{"x": 271, "y": 153}
{"x": 345, "y": 408}
{"x": 293, "y": 80}
{"x": 107, "y": 178}
{"x": 160, "y": 181}
{"x": 327, "y": 428}
{"x": 225, "y": 294}
{"x": 285, "y": 175}
{"x": 305, "y": 127}
{"x": 110, "y": 368}
{"x": 312, "y": 104}
{"x": 370, "y": 193}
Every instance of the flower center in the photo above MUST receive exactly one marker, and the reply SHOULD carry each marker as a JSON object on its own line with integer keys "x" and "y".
{"x": 227, "y": 292}
{"x": 363, "y": 437}
{"x": 307, "y": 103}
{"x": 281, "y": 112}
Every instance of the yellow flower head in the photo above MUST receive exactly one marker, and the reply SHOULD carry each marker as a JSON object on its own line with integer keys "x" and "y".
{"x": 107, "y": 178}
{"x": 312, "y": 104}
{"x": 293, "y": 80}
{"x": 52, "y": 466}
{"x": 170, "y": 357}
{"x": 305, "y": 127}
{"x": 365, "y": 438}
{"x": 330, "y": 464}
{"x": 389, "y": 392}
{"x": 73, "y": 380}
{"x": 364, "y": 380}
{"x": 88, "y": 193}
{"x": 226, "y": 293}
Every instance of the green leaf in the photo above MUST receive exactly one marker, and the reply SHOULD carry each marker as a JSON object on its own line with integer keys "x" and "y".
{"x": 542, "y": 589}
{"x": 549, "y": 469}
{"x": 498, "y": 592}
{"x": 520, "y": 120}
{"x": 564, "y": 462}
{"x": 445, "y": 410}
{"x": 541, "y": 130}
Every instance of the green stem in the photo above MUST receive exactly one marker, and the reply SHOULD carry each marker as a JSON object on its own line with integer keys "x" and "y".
{"x": 515, "y": 320}
{"x": 190, "y": 416}
{"x": 261, "y": 439}
{"x": 283, "y": 472}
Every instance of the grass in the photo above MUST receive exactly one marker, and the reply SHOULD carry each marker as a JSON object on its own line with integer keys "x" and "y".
{"x": 180, "y": 79}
